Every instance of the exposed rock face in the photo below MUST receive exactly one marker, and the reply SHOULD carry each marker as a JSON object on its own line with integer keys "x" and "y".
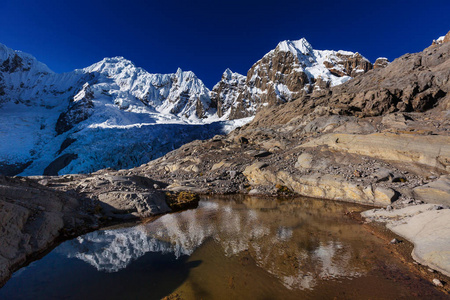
{"x": 389, "y": 146}
{"x": 381, "y": 62}
{"x": 98, "y": 102}
{"x": 442, "y": 39}
{"x": 446, "y": 38}
{"x": 294, "y": 69}
{"x": 79, "y": 110}
{"x": 413, "y": 82}
{"x": 334, "y": 145}
{"x": 226, "y": 92}
{"x": 348, "y": 64}
{"x": 437, "y": 192}
{"x": 59, "y": 163}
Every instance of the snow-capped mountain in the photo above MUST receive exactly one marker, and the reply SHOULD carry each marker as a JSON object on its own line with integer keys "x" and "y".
{"x": 110, "y": 114}
{"x": 114, "y": 114}
{"x": 226, "y": 91}
{"x": 292, "y": 69}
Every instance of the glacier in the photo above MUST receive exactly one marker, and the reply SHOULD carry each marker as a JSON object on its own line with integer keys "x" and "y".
{"x": 110, "y": 114}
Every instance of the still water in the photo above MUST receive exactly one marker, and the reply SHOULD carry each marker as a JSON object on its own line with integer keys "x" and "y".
{"x": 227, "y": 248}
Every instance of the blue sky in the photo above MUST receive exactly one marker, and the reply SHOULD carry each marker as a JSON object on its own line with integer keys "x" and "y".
{"x": 207, "y": 37}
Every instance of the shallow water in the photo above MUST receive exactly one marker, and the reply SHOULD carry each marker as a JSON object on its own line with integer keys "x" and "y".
{"x": 228, "y": 248}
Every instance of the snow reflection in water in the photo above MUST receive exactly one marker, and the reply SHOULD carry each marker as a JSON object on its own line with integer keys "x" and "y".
{"x": 298, "y": 241}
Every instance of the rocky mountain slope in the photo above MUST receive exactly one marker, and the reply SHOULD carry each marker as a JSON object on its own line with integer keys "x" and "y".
{"x": 84, "y": 120}
{"x": 289, "y": 71}
{"x": 352, "y": 136}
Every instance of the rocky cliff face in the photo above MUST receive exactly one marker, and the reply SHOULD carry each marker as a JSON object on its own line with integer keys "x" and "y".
{"x": 294, "y": 69}
{"x": 226, "y": 92}
{"x": 412, "y": 83}
{"x": 441, "y": 40}
{"x": 381, "y": 62}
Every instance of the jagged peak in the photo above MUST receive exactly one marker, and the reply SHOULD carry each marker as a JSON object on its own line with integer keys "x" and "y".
{"x": 31, "y": 61}
{"x": 109, "y": 63}
{"x": 185, "y": 74}
{"x": 228, "y": 75}
{"x": 298, "y": 46}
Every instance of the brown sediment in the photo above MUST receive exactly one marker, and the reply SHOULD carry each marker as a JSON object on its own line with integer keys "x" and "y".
{"x": 402, "y": 251}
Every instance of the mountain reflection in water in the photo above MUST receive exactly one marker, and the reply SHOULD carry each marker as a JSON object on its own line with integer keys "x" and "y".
{"x": 300, "y": 242}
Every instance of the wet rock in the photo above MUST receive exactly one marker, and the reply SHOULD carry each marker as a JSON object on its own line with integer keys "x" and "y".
{"x": 254, "y": 192}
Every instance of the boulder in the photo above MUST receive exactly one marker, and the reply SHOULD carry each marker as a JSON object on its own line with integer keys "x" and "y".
{"x": 437, "y": 192}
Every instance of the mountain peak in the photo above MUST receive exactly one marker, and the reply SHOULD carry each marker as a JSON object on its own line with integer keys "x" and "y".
{"x": 227, "y": 73}
{"x": 296, "y": 47}
{"x": 14, "y": 60}
{"x": 110, "y": 65}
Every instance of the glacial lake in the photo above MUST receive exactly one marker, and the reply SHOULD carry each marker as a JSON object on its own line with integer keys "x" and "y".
{"x": 227, "y": 248}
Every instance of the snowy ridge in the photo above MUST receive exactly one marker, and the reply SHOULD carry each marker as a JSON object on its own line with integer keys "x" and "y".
{"x": 86, "y": 119}
{"x": 314, "y": 62}
{"x": 91, "y": 117}
{"x": 292, "y": 69}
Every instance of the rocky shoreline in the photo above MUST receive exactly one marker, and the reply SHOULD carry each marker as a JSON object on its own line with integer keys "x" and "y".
{"x": 37, "y": 213}
{"x": 381, "y": 139}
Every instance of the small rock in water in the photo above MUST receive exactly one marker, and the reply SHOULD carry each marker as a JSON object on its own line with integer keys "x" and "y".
{"x": 395, "y": 241}
{"x": 156, "y": 186}
{"x": 437, "y": 282}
